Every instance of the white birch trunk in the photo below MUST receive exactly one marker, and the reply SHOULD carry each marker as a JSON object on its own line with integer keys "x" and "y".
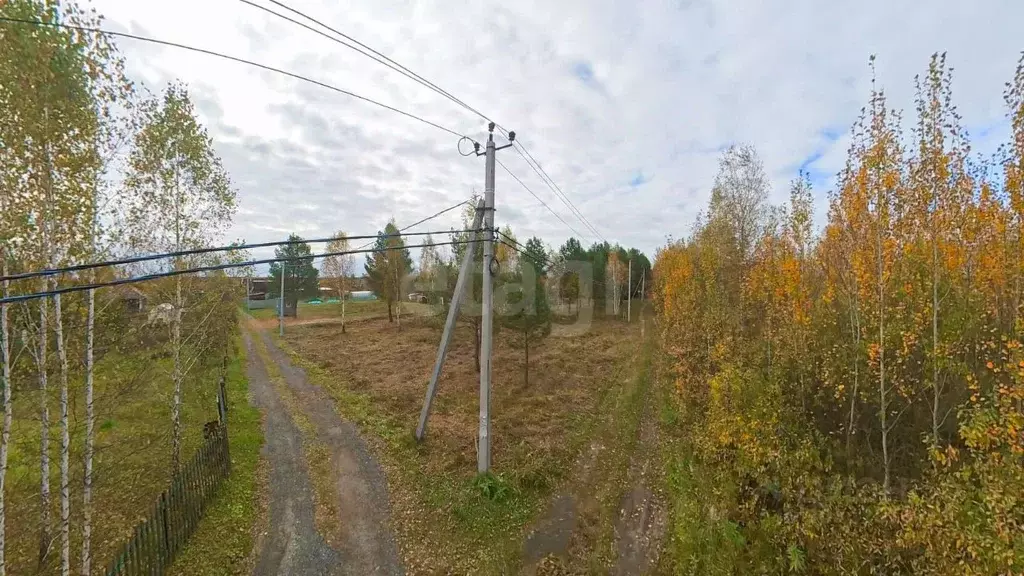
{"x": 177, "y": 376}
{"x": 5, "y": 436}
{"x": 44, "y": 411}
{"x": 89, "y": 418}
{"x": 44, "y": 435}
{"x": 65, "y": 439}
{"x": 176, "y": 338}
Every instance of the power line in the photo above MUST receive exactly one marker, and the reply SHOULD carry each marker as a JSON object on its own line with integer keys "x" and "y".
{"x": 380, "y": 58}
{"x": 518, "y": 247}
{"x": 543, "y": 203}
{"x": 526, "y": 255}
{"x": 211, "y": 268}
{"x": 431, "y": 217}
{"x": 551, "y": 184}
{"x": 376, "y": 56}
{"x": 405, "y": 71}
{"x": 234, "y": 59}
{"x": 193, "y": 252}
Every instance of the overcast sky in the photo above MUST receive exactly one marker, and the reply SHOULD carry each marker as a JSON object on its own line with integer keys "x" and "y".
{"x": 626, "y": 104}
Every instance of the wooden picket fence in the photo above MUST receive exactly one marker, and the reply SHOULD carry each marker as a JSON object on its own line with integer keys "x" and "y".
{"x": 175, "y": 515}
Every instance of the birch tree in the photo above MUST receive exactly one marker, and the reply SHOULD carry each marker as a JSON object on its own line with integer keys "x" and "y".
{"x": 180, "y": 197}
{"x": 941, "y": 189}
{"x": 339, "y": 268}
{"x": 56, "y": 92}
{"x": 6, "y": 232}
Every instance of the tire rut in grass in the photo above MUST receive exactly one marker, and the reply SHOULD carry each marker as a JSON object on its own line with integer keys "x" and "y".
{"x": 364, "y": 539}
{"x": 643, "y": 518}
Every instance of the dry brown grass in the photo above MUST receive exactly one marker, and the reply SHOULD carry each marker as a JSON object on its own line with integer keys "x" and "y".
{"x": 537, "y": 430}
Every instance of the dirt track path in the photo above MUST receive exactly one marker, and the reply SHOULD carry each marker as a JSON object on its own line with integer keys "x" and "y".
{"x": 289, "y": 544}
{"x": 614, "y": 488}
{"x": 367, "y": 545}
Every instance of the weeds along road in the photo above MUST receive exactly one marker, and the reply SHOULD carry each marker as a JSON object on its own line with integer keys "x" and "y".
{"x": 328, "y": 507}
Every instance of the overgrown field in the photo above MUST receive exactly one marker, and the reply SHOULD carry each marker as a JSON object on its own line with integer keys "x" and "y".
{"x": 132, "y": 453}
{"x": 133, "y": 428}
{"x": 447, "y": 518}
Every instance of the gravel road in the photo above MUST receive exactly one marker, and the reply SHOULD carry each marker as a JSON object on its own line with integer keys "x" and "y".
{"x": 290, "y": 543}
{"x": 293, "y": 545}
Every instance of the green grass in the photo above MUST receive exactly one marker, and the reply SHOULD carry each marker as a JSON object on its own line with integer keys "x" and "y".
{"x": 479, "y": 518}
{"x": 223, "y": 542}
{"x": 599, "y": 494}
{"x": 132, "y": 459}
{"x": 353, "y": 309}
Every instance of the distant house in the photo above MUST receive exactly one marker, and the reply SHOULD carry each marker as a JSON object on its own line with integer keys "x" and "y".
{"x": 258, "y": 288}
{"x": 329, "y": 287}
{"x": 133, "y": 300}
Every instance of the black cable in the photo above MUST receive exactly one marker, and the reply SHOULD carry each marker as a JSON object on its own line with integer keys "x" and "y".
{"x": 234, "y": 59}
{"x": 526, "y": 255}
{"x": 196, "y": 251}
{"x": 405, "y": 71}
{"x": 390, "y": 63}
{"x": 211, "y": 268}
{"x": 459, "y": 146}
{"x": 515, "y": 245}
{"x": 539, "y": 170}
{"x": 545, "y": 204}
{"x": 520, "y": 248}
{"x": 431, "y": 217}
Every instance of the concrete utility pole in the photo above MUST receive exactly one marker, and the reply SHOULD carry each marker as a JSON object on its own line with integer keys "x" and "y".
{"x": 643, "y": 290}
{"x": 629, "y": 292}
{"x": 483, "y": 457}
{"x": 484, "y": 216}
{"x": 280, "y": 311}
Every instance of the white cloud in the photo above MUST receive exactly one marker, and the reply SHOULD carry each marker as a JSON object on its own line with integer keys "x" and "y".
{"x": 598, "y": 91}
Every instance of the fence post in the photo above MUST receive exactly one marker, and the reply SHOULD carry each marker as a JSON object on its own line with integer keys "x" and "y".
{"x": 133, "y": 554}
{"x": 222, "y": 403}
{"x": 144, "y": 548}
{"x": 166, "y": 540}
{"x": 191, "y": 490}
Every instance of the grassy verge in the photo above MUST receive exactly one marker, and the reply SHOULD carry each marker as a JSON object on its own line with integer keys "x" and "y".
{"x": 224, "y": 539}
{"x": 690, "y": 533}
{"x": 132, "y": 458}
{"x": 610, "y": 480}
